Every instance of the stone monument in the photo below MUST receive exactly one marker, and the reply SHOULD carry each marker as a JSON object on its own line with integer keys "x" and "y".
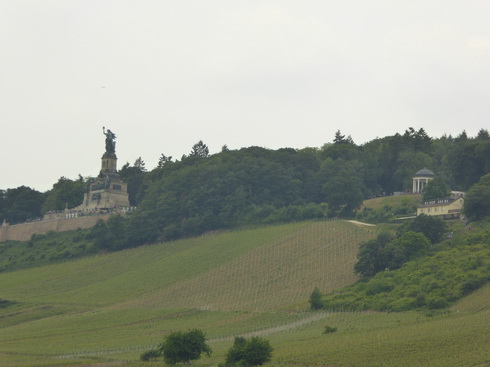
{"x": 106, "y": 191}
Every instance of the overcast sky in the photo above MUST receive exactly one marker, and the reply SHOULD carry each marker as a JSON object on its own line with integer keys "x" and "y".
{"x": 165, "y": 74}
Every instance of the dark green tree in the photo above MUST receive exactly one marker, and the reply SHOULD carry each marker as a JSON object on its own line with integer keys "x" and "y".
{"x": 341, "y": 139}
{"x": 199, "y": 150}
{"x": 406, "y": 247}
{"x": 163, "y": 160}
{"x": 140, "y": 164}
{"x": 436, "y": 189}
{"x": 477, "y": 199}
{"x": 150, "y": 355}
{"x": 184, "y": 347}
{"x": 315, "y": 300}
{"x": 249, "y": 352}
{"x": 65, "y": 193}
{"x": 483, "y": 134}
{"x": 99, "y": 234}
{"x": 134, "y": 176}
{"x": 417, "y": 140}
{"x": 372, "y": 257}
{"x": 432, "y": 227}
{"x": 22, "y": 204}
{"x": 142, "y": 227}
{"x": 116, "y": 227}
{"x": 343, "y": 189}
{"x": 470, "y": 160}
{"x": 463, "y": 136}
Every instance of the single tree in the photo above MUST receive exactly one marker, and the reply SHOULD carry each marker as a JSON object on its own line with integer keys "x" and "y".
{"x": 163, "y": 160}
{"x": 316, "y": 302}
{"x": 140, "y": 164}
{"x": 184, "y": 347}
{"x": 483, "y": 134}
{"x": 372, "y": 256}
{"x": 249, "y": 352}
{"x": 341, "y": 139}
{"x": 432, "y": 227}
{"x": 21, "y": 204}
{"x": 199, "y": 150}
{"x": 134, "y": 176}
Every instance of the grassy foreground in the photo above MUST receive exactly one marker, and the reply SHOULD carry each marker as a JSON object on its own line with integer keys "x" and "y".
{"x": 106, "y": 310}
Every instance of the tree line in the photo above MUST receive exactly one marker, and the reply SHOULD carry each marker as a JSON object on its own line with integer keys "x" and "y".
{"x": 202, "y": 191}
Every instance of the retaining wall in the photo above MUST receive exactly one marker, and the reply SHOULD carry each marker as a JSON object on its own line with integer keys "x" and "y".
{"x": 24, "y": 231}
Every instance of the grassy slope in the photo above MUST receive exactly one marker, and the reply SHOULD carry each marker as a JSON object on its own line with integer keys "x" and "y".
{"x": 128, "y": 298}
{"x": 477, "y": 301}
{"x": 395, "y": 201}
{"x": 113, "y": 307}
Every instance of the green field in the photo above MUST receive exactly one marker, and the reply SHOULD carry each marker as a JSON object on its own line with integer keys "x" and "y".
{"x": 108, "y": 309}
{"x": 397, "y": 201}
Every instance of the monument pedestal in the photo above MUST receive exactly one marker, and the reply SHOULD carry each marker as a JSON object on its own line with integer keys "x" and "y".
{"x": 107, "y": 191}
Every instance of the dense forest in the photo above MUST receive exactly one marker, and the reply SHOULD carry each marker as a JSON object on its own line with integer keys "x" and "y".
{"x": 203, "y": 192}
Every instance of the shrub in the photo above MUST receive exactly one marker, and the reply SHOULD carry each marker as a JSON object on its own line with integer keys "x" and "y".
{"x": 376, "y": 286}
{"x": 436, "y": 302}
{"x": 329, "y": 329}
{"x": 150, "y": 355}
{"x": 249, "y": 352}
{"x": 316, "y": 302}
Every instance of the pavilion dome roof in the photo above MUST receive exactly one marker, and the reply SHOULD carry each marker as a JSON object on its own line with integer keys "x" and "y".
{"x": 424, "y": 172}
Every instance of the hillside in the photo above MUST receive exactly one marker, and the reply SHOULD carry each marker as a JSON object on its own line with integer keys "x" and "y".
{"x": 475, "y": 302}
{"x": 132, "y": 291}
{"x": 107, "y": 309}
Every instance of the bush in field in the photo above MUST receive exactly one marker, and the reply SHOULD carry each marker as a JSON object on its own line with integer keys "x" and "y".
{"x": 183, "y": 347}
{"x": 249, "y": 352}
{"x": 316, "y": 302}
{"x": 5, "y": 303}
{"x": 150, "y": 355}
{"x": 329, "y": 329}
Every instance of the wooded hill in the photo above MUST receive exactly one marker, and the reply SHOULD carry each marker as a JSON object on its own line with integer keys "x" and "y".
{"x": 203, "y": 192}
{"x": 113, "y": 306}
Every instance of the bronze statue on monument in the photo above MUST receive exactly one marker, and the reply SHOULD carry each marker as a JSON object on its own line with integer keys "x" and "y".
{"x": 110, "y": 140}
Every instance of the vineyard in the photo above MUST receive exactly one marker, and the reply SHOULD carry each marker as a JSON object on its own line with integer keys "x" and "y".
{"x": 108, "y": 309}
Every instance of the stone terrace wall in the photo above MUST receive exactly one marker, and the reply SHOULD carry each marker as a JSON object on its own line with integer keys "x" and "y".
{"x": 24, "y": 231}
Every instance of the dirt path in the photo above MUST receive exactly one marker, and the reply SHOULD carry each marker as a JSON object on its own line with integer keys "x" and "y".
{"x": 361, "y": 223}
{"x": 277, "y": 329}
{"x": 263, "y": 332}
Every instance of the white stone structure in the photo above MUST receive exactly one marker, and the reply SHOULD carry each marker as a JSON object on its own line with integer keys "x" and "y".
{"x": 421, "y": 179}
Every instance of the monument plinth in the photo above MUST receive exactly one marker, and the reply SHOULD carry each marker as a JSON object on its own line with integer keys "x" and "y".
{"x": 109, "y": 164}
{"x": 107, "y": 191}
